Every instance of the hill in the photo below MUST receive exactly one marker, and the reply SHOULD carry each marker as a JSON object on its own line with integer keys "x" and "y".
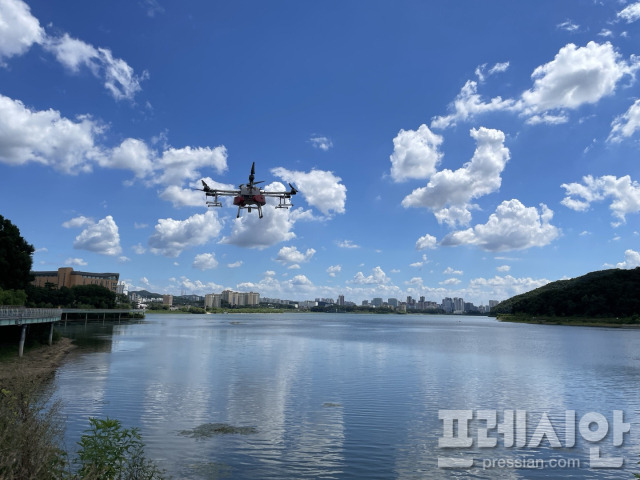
{"x": 605, "y": 293}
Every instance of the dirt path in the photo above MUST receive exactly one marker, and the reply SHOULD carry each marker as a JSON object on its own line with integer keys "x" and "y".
{"x": 38, "y": 362}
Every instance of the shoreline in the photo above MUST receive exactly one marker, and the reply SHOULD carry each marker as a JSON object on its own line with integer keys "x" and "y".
{"x": 567, "y": 321}
{"x": 38, "y": 362}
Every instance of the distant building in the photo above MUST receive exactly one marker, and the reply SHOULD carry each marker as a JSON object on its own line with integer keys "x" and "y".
{"x": 167, "y": 300}
{"x": 66, "y": 277}
{"x": 213, "y": 300}
{"x": 241, "y": 298}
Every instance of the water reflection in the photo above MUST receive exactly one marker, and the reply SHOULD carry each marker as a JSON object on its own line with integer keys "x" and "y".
{"x": 348, "y": 396}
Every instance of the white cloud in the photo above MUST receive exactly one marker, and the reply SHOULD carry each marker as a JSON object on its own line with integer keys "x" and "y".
{"x": 377, "y": 277}
{"x": 18, "y": 29}
{"x": 415, "y": 154}
{"x": 624, "y": 192}
{"x": 568, "y": 26}
{"x": 512, "y": 227}
{"x": 451, "y": 281}
{"x": 321, "y": 189}
{"x": 468, "y": 104}
{"x": 323, "y": 143}
{"x": 448, "y": 193}
{"x": 347, "y": 244}
{"x": 630, "y": 13}
{"x": 333, "y": 270}
{"x": 507, "y": 286}
{"x": 102, "y": 237}
{"x": 79, "y": 262}
{"x": 274, "y": 227}
{"x": 426, "y": 242}
{"x": 196, "y": 287}
{"x": 78, "y": 222}
{"x": 119, "y": 78}
{"x": 631, "y": 259}
{"x": 503, "y": 268}
{"x": 292, "y": 255}
{"x": 235, "y": 264}
{"x": 451, "y": 271}
{"x": 171, "y": 236}
{"x": 576, "y": 76}
{"x": 132, "y": 154}
{"x": 626, "y": 124}
{"x": 179, "y": 164}
{"x": 138, "y": 249}
{"x": 45, "y": 137}
{"x": 205, "y": 261}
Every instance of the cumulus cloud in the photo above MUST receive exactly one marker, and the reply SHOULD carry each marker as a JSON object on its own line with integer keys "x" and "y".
{"x": 78, "y": 222}
{"x": 76, "y": 262}
{"x": 346, "y": 244}
{"x": 333, "y": 270}
{"x": 503, "y": 268}
{"x": 631, "y": 259}
{"x": 132, "y": 154}
{"x": 235, "y": 264}
{"x": 451, "y": 271}
{"x": 119, "y": 78}
{"x": 274, "y": 227}
{"x": 426, "y": 242}
{"x": 377, "y": 277}
{"x": 176, "y": 165}
{"x": 575, "y": 77}
{"x": 449, "y": 193}
{"x": 415, "y": 154}
{"x": 506, "y": 286}
{"x": 512, "y": 227}
{"x": 205, "y": 261}
{"x": 323, "y": 143}
{"x": 101, "y": 237}
{"x": 19, "y": 30}
{"x": 321, "y": 189}
{"x": 288, "y": 255}
{"x": 626, "y": 124}
{"x": 171, "y": 236}
{"x": 630, "y": 13}
{"x": 623, "y": 192}
{"x": 469, "y": 104}
{"x": 45, "y": 137}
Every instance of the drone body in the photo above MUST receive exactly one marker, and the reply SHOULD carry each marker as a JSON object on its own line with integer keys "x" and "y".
{"x": 248, "y": 195}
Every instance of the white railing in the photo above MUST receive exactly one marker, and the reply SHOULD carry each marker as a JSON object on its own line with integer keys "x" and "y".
{"x": 22, "y": 312}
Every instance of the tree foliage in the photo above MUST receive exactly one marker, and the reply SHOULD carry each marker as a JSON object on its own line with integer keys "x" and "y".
{"x": 80, "y": 296}
{"x": 606, "y": 293}
{"x": 15, "y": 257}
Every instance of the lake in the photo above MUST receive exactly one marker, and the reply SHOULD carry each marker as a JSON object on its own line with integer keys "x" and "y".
{"x": 341, "y": 396}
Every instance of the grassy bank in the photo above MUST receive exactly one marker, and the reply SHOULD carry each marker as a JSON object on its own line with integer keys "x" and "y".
{"x": 626, "y": 322}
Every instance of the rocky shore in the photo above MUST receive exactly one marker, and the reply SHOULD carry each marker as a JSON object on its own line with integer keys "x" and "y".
{"x": 36, "y": 362}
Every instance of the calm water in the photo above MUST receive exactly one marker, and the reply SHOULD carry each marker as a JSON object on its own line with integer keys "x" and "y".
{"x": 356, "y": 396}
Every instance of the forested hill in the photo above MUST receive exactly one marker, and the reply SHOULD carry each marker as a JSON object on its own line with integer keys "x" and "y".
{"x": 606, "y": 293}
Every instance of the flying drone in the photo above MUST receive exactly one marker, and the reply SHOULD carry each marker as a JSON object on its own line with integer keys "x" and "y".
{"x": 248, "y": 195}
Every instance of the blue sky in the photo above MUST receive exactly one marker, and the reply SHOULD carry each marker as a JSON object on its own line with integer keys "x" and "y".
{"x": 441, "y": 149}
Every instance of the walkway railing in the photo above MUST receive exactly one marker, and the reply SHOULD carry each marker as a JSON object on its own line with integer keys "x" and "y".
{"x": 7, "y": 313}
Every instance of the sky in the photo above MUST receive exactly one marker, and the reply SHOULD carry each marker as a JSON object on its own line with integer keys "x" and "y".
{"x": 440, "y": 149}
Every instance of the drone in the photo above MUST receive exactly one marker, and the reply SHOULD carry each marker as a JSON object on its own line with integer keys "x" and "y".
{"x": 248, "y": 195}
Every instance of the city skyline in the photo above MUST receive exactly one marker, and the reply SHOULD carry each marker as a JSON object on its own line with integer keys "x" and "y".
{"x": 440, "y": 149}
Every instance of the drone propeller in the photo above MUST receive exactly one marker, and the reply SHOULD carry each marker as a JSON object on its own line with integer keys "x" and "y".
{"x": 205, "y": 188}
{"x": 293, "y": 190}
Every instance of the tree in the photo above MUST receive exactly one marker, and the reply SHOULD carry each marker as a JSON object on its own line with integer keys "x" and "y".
{"x": 15, "y": 257}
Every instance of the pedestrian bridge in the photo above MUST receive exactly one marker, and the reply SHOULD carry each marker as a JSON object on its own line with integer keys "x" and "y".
{"x": 22, "y": 316}
{"x": 25, "y": 316}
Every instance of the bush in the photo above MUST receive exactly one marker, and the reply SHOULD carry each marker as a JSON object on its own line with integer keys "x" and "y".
{"x": 110, "y": 452}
